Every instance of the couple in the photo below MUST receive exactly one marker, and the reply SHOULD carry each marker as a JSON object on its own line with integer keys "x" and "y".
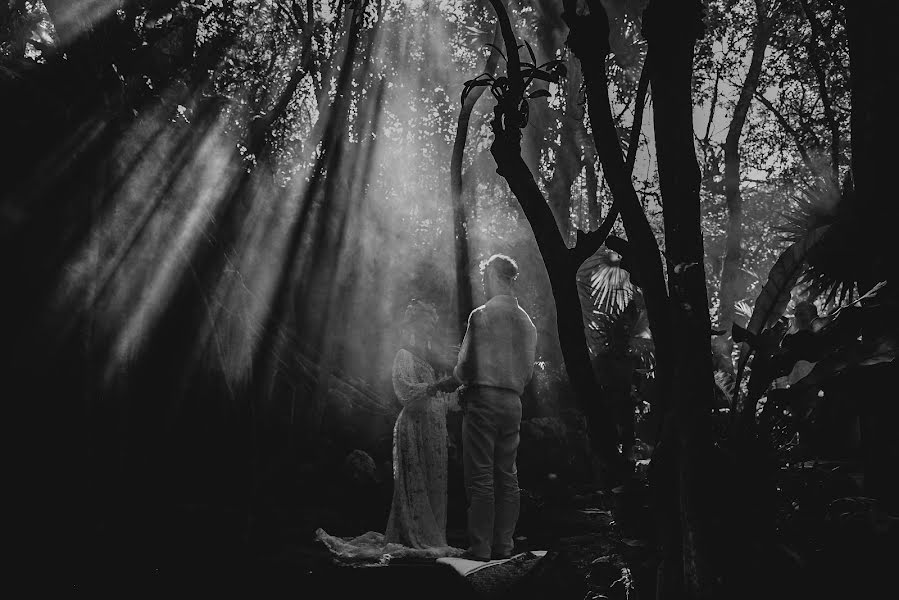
{"x": 495, "y": 362}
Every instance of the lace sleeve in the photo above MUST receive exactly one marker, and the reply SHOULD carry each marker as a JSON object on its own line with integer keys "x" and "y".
{"x": 452, "y": 401}
{"x": 409, "y": 388}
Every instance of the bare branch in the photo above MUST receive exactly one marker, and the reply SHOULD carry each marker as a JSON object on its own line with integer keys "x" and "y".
{"x": 797, "y": 139}
{"x": 816, "y": 61}
{"x": 589, "y": 243}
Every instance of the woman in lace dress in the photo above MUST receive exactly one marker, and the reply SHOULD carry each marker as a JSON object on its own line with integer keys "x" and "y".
{"x": 418, "y": 512}
{"x": 417, "y": 523}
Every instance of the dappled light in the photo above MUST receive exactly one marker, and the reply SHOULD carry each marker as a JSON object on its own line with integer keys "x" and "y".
{"x": 301, "y": 285}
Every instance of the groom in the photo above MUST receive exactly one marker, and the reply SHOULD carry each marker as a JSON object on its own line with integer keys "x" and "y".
{"x": 496, "y": 360}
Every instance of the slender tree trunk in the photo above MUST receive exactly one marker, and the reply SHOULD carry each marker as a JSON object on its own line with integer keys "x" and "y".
{"x": 639, "y": 106}
{"x": 733, "y": 285}
{"x": 464, "y": 301}
{"x": 791, "y": 131}
{"x": 567, "y": 162}
{"x": 591, "y": 181}
{"x": 817, "y": 63}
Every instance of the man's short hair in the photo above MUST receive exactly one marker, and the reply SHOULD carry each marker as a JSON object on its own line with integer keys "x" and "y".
{"x": 505, "y": 267}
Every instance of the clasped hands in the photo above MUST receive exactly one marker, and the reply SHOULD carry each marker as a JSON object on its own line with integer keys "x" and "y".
{"x": 446, "y": 384}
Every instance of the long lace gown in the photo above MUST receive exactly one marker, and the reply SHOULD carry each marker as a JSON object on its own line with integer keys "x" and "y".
{"x": 417, "y": 523}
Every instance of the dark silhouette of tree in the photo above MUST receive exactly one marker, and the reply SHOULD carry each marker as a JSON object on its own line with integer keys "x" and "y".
{"x": 460, "y": 209}
{"x": 561, "y": 263}
{"x": 732, "y": 284}
{"x": 873, "y": 119}
{"x": 681, "y": 469}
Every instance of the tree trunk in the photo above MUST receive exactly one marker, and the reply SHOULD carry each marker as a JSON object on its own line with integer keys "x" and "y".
{"x": 817, "y": 64}
{"x": 561, "y": 270}
{"x": 464, "y": 301}
{"x": 561, "y": 264}
{"x": 567, "y": 164}
{"x": 873, "y": 127}
{"x": 733, "y": 285}
{"x": 681, "y": 472}
{"x": 589, "y": 41}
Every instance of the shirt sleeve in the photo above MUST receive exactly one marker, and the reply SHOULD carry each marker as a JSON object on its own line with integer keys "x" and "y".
{"x": 464, "y": 370}
{"x": 531, "y": 347}
{"x": 409, "y": 390}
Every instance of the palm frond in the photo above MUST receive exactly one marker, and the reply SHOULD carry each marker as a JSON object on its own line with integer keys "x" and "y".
{"x": 725, "y": 383}
{"x": 608, "y": 286}
{"x": 743, "y": 310}
{"x": 833, "y": 264}
{"x": 612, "y": 306}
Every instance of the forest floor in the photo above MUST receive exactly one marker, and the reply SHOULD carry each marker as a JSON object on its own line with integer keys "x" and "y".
{"x": 200, "y": 551}
{"x": 585, "y": 553}
{"x": 203, "y": 540}
{"x": 196, "y": 549}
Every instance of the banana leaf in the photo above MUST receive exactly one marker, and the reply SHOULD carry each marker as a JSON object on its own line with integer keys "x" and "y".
{"x": 775, "y": 295}
{"x": 879, "y": 351}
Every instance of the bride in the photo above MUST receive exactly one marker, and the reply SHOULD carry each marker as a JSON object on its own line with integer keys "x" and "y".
{"x": 417, "y": 523}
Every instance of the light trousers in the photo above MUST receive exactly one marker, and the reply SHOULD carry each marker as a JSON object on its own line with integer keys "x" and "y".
{"x": 490, "y": 436}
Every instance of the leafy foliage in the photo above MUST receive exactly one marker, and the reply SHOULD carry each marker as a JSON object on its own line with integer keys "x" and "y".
{"x": 834, "y": 265}
{"x": 551, "y": 72}
{"x": 775, "y": 296}
{"x": 613, "y": 310}
{"x": 853, "y": 337}
{"x": 765, "y": 327}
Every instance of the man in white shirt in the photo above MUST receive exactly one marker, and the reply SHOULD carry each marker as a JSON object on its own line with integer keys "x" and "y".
{"x": 496, "y": 360}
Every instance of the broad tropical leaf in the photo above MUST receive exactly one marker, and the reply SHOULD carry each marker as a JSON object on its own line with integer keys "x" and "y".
{"x": 724, "y": 384}
{"x": 607, "y": 286}
{"x": 882, "y": 350}
{"x": 612, "y": 306}
{"x": 775, "y": 295}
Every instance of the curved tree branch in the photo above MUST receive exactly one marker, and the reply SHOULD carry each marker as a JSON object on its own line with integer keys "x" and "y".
{"x": 460, "y": 226}
{"x": 797, "y": 139}
{"x": 731, "y": 284}
{"x": 816, "y": 61}
{"x": 589, "y": 243}
{"x": 513, "y": 63}
{"x": 588, "y": 38}
{"x": 506, "y": 150}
